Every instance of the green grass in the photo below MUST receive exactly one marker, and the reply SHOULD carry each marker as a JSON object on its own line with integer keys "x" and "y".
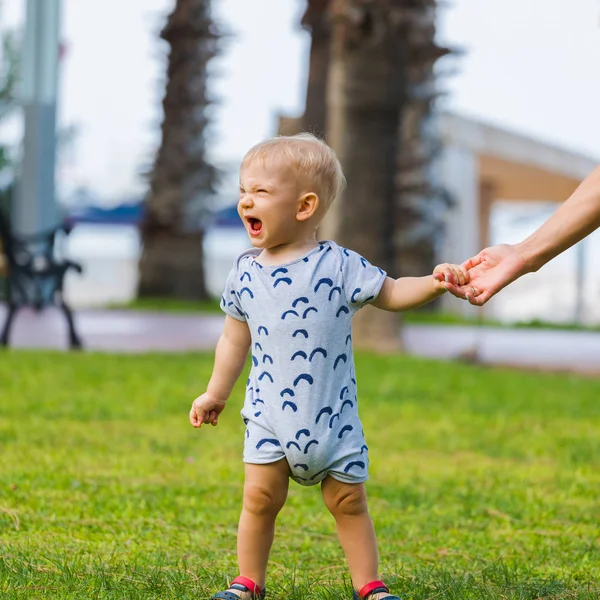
{"x": 484, "y": 483}
{"x": 422, "y": 317}
{"x": 172, "y": 305}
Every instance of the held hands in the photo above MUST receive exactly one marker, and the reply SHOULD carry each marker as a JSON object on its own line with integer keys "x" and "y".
{"x": 206, "y": 409}
{"x": 450, "y": 277}
{"x": 488, "y": 272}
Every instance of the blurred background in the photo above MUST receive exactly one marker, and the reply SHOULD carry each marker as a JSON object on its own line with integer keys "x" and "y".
{"x": 492, "y": 122}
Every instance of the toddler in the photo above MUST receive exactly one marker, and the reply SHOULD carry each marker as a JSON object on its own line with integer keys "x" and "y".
{"x": 291, "y": 299}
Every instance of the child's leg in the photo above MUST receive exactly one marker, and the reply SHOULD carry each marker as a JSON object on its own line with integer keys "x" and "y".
{"x": 265, "y": 492}
{"x": 347, "y": 502}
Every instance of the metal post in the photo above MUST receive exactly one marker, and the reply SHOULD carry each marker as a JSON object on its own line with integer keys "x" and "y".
{"x": 580, "y": 278}
{"x": 35, "y": 206}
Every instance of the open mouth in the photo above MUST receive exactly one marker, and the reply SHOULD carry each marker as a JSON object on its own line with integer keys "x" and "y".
{"x": 254, "y": 226}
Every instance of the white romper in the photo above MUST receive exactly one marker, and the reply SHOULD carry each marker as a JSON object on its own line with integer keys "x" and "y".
{"x": 301, "y": 398}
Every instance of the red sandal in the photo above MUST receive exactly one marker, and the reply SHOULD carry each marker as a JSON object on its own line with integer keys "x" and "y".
{"x": 241, "y": 584}
{"x": 375, "y": 587}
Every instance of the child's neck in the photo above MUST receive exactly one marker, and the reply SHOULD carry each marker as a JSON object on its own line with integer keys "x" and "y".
{"x": 286, "y": 253}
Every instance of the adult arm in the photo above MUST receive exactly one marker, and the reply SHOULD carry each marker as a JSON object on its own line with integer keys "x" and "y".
{"x": 497, "y": 266}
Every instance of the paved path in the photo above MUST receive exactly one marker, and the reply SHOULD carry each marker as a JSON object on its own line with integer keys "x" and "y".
{"x": 129, "y": 331}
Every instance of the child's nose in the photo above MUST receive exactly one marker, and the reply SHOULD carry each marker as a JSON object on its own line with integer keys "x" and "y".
{"x": 246, "y": 201}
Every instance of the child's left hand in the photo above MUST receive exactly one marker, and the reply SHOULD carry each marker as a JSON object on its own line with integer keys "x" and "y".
{"x": 449, "y": 273}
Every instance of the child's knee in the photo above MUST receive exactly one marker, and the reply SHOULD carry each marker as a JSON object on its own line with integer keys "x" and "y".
{"x": 262, "y": 501}
{"x": 345, "y": 500}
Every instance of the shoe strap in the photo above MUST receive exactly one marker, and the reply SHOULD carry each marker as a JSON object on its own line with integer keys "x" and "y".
{"x": 248, "y": 584}
{"x": 372, "y": 588}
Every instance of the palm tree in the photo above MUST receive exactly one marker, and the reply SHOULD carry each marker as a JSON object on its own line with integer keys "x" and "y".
{"x": 182, "y": 181}
{"x": 381, "y": 66}
{"x": 316, "y": 21}
{"x": 9, "y": 75}
{"x": 421, "y": 201}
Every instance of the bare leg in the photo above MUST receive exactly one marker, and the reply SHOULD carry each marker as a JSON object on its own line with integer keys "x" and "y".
{"x": 265, "y": 492}
{"x": 347, "y": 502}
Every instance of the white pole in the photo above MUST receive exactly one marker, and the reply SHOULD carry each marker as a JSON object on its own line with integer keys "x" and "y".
{"x": 580, "y": 249}
{"x": 35, "y": 206}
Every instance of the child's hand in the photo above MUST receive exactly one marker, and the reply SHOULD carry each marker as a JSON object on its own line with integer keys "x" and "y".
{"x": 454, "y": 274}
{"x": 206, "y": 409}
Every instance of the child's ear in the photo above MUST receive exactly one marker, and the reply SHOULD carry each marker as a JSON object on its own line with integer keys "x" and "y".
{"x": 307, "y": 206}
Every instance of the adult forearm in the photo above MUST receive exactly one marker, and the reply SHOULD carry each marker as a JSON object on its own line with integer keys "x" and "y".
{"x": 230, "y": 359}
{"x": 576, "y": 218}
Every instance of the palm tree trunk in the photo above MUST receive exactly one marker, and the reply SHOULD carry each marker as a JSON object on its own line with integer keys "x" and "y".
{"x": 316, "y": 20}
{"x": 182, "y": 181}
{"x": 366, "y": 97}
{"x": 421, "y": 202}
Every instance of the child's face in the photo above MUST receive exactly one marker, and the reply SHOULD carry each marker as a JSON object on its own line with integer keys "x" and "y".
{"x": 269, "y": 200}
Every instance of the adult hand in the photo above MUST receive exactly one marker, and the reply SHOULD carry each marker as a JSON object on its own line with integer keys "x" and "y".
{"x": 490, "y": 271}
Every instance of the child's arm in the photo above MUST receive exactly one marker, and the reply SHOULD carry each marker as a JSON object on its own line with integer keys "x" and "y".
{"x": 230, "y": 357}
{"x": 409, "y": 292}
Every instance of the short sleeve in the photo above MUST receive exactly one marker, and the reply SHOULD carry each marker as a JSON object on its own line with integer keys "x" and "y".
{"x": 230, "y": 301}
{"x": 362, "y": 280}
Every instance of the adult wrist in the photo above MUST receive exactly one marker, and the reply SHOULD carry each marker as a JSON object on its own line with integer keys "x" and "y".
{"x": 531, "y": 257}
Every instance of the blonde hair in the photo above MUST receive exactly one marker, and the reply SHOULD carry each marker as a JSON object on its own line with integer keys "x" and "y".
{"x": 310, "y": 157}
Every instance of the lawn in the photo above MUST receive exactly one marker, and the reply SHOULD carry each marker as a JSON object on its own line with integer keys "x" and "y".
{"x": 484, "y": 483}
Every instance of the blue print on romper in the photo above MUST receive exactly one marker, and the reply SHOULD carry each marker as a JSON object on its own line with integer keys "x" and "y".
{"x": 268, "y": 441}
{"x": 300, "y": 332}
{"x": 344, "y": 429}
{"x": 315, "y": 442}
{"x": 354, "y": 463}
{"x": 353, "y": 297}
{"x": 326, "y": 410}
{"x": 323, "y": 281}
{"x": 346, "y": 402}
{"x": 245, "y": 289}
{"x": 291, "y": 404}
{"x": 301, "y": 432}
{"x": 289, "y": 312}
{"x": 341, "y": 357}
{"x": 265, "y": 374}
{"x": 280, "y": 279}
{"x": 317, "y": 351}
{"x": 308, "y": 378}
{"x": 301, "y": 299}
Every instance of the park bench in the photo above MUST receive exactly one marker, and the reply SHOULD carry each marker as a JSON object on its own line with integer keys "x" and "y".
{"x": 34, "y": 275}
